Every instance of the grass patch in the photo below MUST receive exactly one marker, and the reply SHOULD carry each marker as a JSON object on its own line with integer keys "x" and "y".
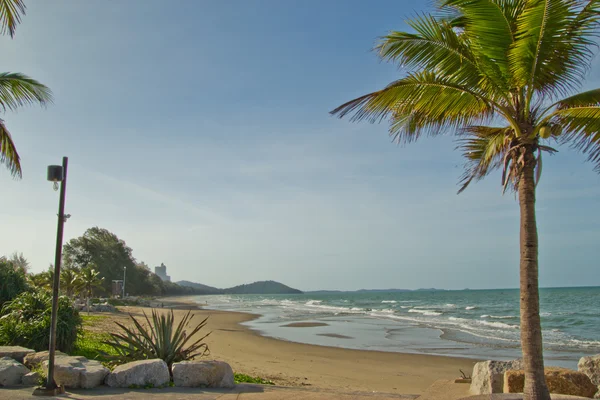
{"x": 89, "y": 320}
{"x": 89, "y": 344}
{"x": 243, "y": 378}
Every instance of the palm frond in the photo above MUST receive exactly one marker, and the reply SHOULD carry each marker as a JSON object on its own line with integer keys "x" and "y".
{"x": 489, "y": 25}
{"x": 10, "y": 15}
{"x": 8, "y": 152}
{"x": 589, "y": 98}
{"x": 581, "y": 126}
{"x": 552, "y": 46}
{"x": 484, "y": 148}
{"x": 17, "y": 90}
{"x": 419, "y": 101}
{"x": 435, "y": 46}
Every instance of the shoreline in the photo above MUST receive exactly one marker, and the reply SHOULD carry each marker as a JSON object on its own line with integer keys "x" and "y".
{"x": 290, "y": 363}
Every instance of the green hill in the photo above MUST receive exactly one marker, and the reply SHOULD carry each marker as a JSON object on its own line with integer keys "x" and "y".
{"x": 262, "y": 287}
{"x": 200, "y": 288}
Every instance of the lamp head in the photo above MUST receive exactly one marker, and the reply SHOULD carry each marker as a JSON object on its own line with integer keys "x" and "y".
{"x": 55, "y": 173}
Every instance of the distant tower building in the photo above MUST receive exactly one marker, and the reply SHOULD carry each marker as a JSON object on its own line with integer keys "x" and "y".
{"x": 161, "y": 271}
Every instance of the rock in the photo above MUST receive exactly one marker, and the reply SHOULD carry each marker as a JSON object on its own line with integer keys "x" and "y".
{"x": 213, "y": 374}
{"x": 597, "y": 395}
{"x": 559, "y": 381}
{"x": 17, "y": 353}
{"x": 591, "y": 367}
{"x": 34, "y": 359}
{"x": 77, "y": 372}
{"x": 31, "y": 379}
{"x": 139, "y": 373}
{"x": 11, "y": 371}
{"x": 488, "y": 376}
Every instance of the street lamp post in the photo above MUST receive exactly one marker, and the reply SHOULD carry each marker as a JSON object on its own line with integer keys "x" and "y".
{"x": 124, "y": 274}
{"x": 56, "y": 173}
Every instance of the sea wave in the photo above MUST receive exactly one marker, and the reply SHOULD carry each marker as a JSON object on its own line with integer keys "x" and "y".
{"x": 500, "y": 325}
{"x": 470, "y": 307}
{"x": 424, "y": 312}
{"x": 498, "y": 316}
{"x": 389, "y": 301}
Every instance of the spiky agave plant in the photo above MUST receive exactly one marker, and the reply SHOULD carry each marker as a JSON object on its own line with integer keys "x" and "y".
{"x": 159, "y": 338}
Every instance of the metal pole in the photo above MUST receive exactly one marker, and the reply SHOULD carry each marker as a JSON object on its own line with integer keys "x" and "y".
{"x": 124, "y": 274}
{"x": 51, "y": 384}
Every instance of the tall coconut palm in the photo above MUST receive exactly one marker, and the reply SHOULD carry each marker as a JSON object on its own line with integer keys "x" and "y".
{"x": 502, "y": 75}
{"x": 16, "y": 90}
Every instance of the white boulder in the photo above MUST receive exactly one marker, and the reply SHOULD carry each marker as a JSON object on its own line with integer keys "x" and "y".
{"x": 77, "y": 372}
{"x": 32, "y": 360}
{"x": 31, "y": 379}
{"x": 488, "y": 376}
{"x": 591, "y": 367}
{"x": 11, "y": 372}
{"x": 140, "y": 373}
{"x": 15, "y": 352}
{"x": 213, "y": 374}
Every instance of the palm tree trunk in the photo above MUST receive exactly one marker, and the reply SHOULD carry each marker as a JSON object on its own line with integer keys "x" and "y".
{"x": 531, "y": 329}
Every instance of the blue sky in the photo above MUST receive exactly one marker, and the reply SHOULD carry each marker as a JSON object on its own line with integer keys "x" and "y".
{"x": 198, "y": 132}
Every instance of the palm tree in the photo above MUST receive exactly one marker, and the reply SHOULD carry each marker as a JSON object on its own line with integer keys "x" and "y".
{"x": 16, "y": 90}
{"x": 89, "y": 280}
{"x": 44, "y": 279}
{"x": 493, "y": 71}
{"x": 69, "y": 281}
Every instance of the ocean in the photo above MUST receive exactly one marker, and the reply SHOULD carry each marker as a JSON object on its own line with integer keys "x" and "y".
{"x": 480, "y": 324}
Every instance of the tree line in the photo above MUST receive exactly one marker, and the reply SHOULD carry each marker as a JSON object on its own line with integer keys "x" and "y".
{"x": 89, "y": 265}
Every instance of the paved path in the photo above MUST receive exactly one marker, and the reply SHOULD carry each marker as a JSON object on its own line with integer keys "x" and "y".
{"x": 241, "y": 392}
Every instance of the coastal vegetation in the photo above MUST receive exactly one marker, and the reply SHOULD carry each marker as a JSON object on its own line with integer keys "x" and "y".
{"x": 25, "y": 321}
{"x": 502, "y": 75}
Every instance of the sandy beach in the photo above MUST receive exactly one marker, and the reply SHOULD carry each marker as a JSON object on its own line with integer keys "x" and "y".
{"x": 296, "y": 364}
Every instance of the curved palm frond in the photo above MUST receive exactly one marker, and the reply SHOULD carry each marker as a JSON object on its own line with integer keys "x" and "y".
{"x": 8, "y": 152}
{"x": 419, "y": 101}
{"x": 435, "y": 47}
{"x": 484, "y": 148}
{"x": 581, "y": 126}
{"x": 10, "y": 15}
{"x": 17, "y": 90}
{"x": 591, "y": 97}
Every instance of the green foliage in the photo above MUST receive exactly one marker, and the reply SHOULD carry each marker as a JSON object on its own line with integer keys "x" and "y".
{"x": 12, "y": 281}
{"x": 25, "y": 322}
{"x": 242, "y": 378}
{"x": 159, "y": 338}
{"x": 471, "y": 63}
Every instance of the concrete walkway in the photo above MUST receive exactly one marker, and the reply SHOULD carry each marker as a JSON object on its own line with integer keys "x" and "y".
{"x": 241, "y": 392}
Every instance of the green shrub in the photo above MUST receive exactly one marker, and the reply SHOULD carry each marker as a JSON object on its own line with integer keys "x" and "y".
{"x": 159, "y": 338}
{"x": 12, "y": 281}
{"x": 26, "y": 322}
